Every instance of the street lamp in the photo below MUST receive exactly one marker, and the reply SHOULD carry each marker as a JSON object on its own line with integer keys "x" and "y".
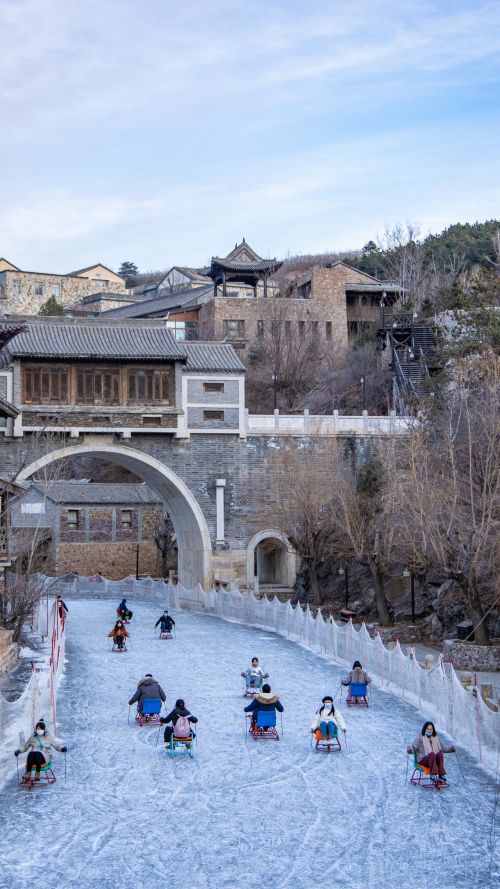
{"x": 275, "y": 384}
{"x": 344, "y": 573}
{"x": 362, "y": 381}
{"x": 410, "y": 574}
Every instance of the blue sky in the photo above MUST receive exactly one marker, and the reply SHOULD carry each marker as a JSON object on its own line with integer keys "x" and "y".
{"x": 163, "y": 132}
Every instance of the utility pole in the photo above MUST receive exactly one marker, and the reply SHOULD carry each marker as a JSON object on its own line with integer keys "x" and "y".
{"x": 412, "y": 579}
{"x": 362, "y": 381}
{"x": 137, "y": 563}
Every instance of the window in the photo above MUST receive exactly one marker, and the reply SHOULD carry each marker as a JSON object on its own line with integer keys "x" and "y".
{"x": 184, "y": 330}
{"x": 305, "y": 291}
{"x": 234, "y": 330}
{"x": 275, "y": 326}
{"x": 102, "y": 284}
{"x": 126, "y": 519}
{"x": 288, "y": 330}
{"x": 46, "y": 385}
{"x": 151, "y": 421}
{"x": 213, "y": 415}
{"x": 260, "y": 330}
{"x": 302, "y": 328}
{"x": 16, "y": 285}
{"x": 213, "y": 387}
{"x": 72, "y": 520}
{"x": 314, "y": 330}
{"x": 97, "y": 386}
{"x": 56, "y": 290}
{"x": 38, "y": 288}
{"x": 328, "y": 330}
{"x": 149, "y": 387}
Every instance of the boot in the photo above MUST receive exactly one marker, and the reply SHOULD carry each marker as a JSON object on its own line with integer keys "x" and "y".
{"x": 37, "y": 775}
{"x": 27, "y": 775}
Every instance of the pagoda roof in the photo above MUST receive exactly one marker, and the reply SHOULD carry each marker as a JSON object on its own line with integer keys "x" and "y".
{"x": 242, "y": 260}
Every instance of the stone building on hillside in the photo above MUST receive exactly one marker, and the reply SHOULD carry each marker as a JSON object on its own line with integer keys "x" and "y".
{"x": 96, "y": 528}
{"x": 25, "y": 292}
{"x": 330, "y": 303}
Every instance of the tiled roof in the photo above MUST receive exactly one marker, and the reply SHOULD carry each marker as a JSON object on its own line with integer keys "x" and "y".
{"x": 150, "y": 307}
{"x": 212, "y": 358}
{"x": 8, "y": 331}
{"x": 239, "y": 248}
{"x": 74, "y": 493}
{"x": 263, "y": 265}
{"x": 193, "y": 274}
{"x": 70, "y": 338}
{"x": 89, "y": 269}
{"x": 7, "y": 409}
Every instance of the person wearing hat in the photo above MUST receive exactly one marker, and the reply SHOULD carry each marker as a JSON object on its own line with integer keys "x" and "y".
{"x": 124, "y": 612}
{"x": 265, "y": 701}
{"x": 328, "y": 720}
{"x": 166, "y": 622}
{"x": 147, "y": 690}
{"x": 39, "y": 745}
{"x": 174, "y": 716}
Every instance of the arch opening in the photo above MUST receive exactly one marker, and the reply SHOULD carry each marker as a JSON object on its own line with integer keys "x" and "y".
{"x": 193, "y": 537}
{"x": 271, "y": 558}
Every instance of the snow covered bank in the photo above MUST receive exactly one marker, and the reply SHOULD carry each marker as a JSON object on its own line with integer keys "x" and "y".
{"x": 240, "y": 814}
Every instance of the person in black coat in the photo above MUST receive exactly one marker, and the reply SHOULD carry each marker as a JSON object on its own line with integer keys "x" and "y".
{"x": 166, "y": 622}
{"x": 62, "y": 606}
{"x": 124, "y": 612}
{"x": 179, "y": 710}
{"x": 147, "y": 690}
{"x": 264, "y": 701}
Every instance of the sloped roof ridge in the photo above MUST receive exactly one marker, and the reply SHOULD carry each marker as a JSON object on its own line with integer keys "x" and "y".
{"x": 238, "y": 248}
{"x": 93, "y": 266}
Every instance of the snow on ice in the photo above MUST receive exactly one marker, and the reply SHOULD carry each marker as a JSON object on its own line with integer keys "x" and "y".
{"x": 241, "y": 813}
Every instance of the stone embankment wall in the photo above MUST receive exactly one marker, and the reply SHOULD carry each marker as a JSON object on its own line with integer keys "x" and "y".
{"x": 476, "y": 658}
{"x": 9, "y": 651}
{"x": 113, "y": 560}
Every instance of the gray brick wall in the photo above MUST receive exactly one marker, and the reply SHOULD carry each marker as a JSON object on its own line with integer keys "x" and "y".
{"x": 196, "y": 394}
{"x": 196, "y": 421}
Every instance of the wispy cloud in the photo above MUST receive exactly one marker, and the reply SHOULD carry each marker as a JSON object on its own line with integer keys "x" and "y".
{"x": 157, "y": 129}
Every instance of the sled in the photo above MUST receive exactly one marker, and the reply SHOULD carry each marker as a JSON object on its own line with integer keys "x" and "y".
{"x": 322, "y": 744}
{"x": 181, "y": 746}
{"x": 119, "y": 650}
{"x": 264, "y": 727}
{"x": 150, "y": 715}
{"x": 356, "y": 691}
{"x": 46, "y": 777}
{"x": 251, "y": 690}
{"x": 165, "y": 634}
{"x": 422, "y": 777}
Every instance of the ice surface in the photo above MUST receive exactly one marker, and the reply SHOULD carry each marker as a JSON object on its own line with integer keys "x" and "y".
{"x": 241, "y": 813}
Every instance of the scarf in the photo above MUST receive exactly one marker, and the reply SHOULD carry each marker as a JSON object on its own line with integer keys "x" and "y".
{"x": 431, "y": 745}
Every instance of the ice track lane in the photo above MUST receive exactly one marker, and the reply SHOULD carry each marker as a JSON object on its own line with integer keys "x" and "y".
{"x": 240, "y": 814}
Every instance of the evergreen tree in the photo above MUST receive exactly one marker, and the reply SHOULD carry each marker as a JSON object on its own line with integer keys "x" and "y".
{"x": 128, "y": 270}
{"x": 51, "y": 307}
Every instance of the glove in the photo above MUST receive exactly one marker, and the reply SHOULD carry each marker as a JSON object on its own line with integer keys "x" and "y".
{"x": 16, "y": 752}
{"x": 64, "y": 749}
{"x": 266, "y": 675}
{"x": 243, "y": 675}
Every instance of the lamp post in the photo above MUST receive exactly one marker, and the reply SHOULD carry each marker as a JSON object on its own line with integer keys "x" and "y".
{"x": 410, "y": 574}
{"x": 275, "y": 385}
{"x": 344, "y": 573}
{"x": 362, "y": 381}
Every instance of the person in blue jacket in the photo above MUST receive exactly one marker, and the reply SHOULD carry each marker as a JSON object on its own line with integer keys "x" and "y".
{"x": 264, "y": 701}
{"x": 124, "y": 612}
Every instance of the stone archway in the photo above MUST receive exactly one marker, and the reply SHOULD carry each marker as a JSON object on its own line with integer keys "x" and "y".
{"x": 193, "y": 537}
{"x": 287, "y": 569}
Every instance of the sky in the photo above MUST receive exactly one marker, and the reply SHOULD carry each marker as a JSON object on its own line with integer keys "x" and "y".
{"x": 162, "y": 132}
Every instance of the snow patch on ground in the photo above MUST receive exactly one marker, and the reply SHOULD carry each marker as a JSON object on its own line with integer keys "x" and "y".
{"x": 240, "y": 814}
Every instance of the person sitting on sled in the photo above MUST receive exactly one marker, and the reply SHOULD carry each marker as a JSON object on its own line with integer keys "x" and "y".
{"x": 39, "y": 745}
{"x": 429, "y": 751}
{"x": 266, "y": 701}
{"x": 357, "y": 675}
{"x": 255, "y": 674}
{"x": 166, "y": 622}
{"x": 124, "y": 612}
{"x": 179, "y": 712}
{"x": 118, "y": 634}
{"x": 147, "y": 690}
{"x": 328, "y": 720}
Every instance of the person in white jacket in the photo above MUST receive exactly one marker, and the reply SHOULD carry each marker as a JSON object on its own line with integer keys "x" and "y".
{"x": 328, "y": 719}
{"x": 254, "y": 675}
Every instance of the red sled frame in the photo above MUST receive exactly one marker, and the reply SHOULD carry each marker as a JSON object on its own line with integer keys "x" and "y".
{"x": 322, "y": 744}
{"x": 264, "y": 729}
{"x": 150, "y": 714}
{"x": 357, "y": 690}
{"x": 46, "y": 777}
{"x": 422, "y": 777}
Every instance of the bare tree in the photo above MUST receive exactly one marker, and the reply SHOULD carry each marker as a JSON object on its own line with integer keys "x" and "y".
{"x": 287, "y": 358}
{"x": 161, "y": 528}
{"x": 403, "y": 260}
{"x": 446, "y": 491}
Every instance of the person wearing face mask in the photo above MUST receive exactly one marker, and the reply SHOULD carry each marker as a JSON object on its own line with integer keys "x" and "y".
{"x": 429, "y": 751}
{"x": 39, "y": 745}
{"x": 327, "y": 719}
{"x": 166, "y": 622}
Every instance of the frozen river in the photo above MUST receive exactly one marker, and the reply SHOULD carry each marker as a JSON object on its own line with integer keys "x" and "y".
{"x": 240, "y": 814}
